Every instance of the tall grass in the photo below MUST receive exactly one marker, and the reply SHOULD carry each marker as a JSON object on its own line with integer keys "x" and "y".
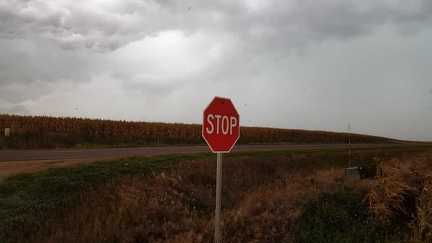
{"x": 401, "y": 196}
{"x": 393, "y": 207}
{"x": 422, "y": 226}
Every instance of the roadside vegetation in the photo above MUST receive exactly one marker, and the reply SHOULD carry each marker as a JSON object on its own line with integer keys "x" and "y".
{"x": 273, "y": 196}
{"x": 42, "y": 132}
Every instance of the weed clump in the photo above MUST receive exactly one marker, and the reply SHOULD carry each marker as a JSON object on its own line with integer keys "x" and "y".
{"x": 340, "y": 216}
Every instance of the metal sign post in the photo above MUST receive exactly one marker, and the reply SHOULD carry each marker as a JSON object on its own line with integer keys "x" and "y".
{"x": 218, "y": 197}
{"x": 221, "y": 130}
{"x": 349, "y": 145}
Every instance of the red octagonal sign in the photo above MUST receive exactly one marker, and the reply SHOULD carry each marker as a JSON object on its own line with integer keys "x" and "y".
{"x": 221, "y": 125}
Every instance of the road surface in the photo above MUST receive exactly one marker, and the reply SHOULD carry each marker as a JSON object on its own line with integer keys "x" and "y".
{"x": 30, "y": 155}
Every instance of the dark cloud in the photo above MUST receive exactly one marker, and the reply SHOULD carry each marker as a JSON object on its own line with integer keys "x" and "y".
{"x": 69, "y": 24}
{"x": 17, "y": 93}
{"x": 22, "y": 62}
{"x": 109, "y": 26}
{"x": 152, "y": 87}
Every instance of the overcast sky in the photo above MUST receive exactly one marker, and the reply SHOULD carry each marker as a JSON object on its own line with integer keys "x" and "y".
{"x": 304, "y": 64}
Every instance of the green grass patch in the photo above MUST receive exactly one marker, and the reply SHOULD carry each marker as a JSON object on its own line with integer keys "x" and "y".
{"x": 340, "y": 216}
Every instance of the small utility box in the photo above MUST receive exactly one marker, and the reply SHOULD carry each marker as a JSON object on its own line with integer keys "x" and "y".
{"x": 7, "y": 132}
{"x": 352, "y": 173}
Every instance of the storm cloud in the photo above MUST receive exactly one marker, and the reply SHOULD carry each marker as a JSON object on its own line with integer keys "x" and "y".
{"x": 297, "y": 64}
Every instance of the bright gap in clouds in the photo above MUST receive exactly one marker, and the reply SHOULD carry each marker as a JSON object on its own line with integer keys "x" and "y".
{"x": 146, "y": 80}
{"x": 170, "y": 54}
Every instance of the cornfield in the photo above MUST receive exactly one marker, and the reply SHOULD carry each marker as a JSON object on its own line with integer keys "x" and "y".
{"x": 50, "y": 132}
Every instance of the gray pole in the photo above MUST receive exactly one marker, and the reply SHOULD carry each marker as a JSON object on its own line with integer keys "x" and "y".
{"x": 349, "y": 145}
{"x": 218, "y": 198}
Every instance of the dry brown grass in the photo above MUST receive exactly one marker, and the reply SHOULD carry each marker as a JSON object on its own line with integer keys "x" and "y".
{"x": 262, "y": 198}
{"x": 402, "y": 195}
{"x": 268, "y": 215}
{"x": 260, "y": 205}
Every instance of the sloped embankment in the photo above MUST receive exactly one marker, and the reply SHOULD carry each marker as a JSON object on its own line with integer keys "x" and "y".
{"x": 266, "y": 198}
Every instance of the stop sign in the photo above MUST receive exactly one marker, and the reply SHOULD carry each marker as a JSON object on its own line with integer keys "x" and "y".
{"x": 221, "y": 125}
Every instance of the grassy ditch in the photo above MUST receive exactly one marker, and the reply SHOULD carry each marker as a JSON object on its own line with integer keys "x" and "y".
{"x": 26, "y": 200}
{"x": 396, "y": 206}
{"x": 267, "y": 197}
